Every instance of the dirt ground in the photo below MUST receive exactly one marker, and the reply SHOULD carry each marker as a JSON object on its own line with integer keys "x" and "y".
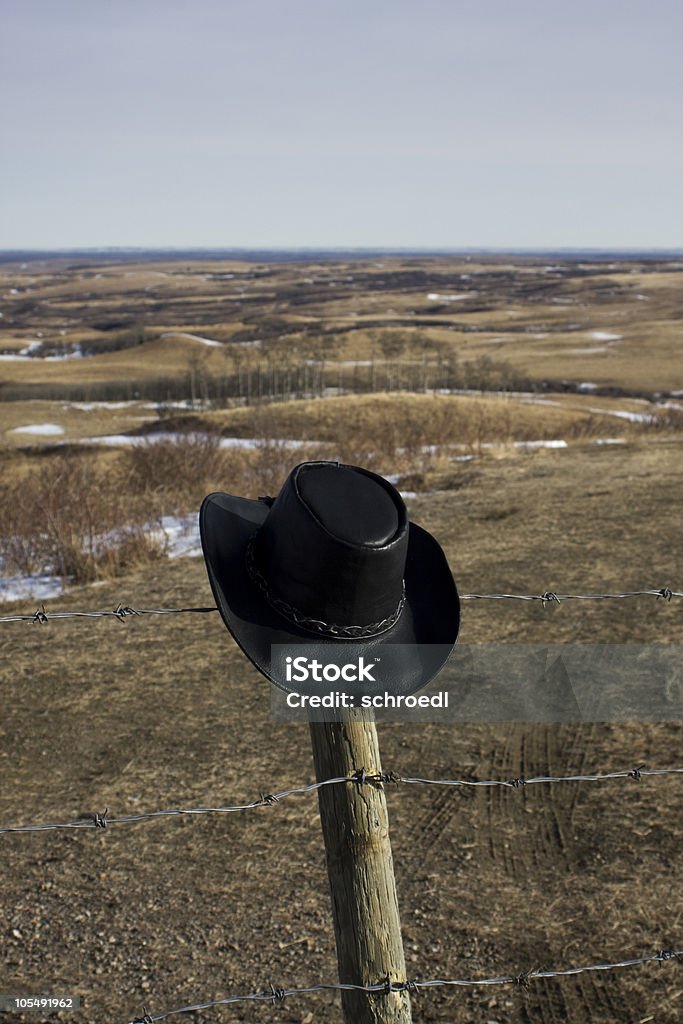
{"x": 164, "y": 712}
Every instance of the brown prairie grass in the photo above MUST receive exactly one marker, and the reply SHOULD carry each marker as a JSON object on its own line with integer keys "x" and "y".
{"x": 409, "y": 421}
{"x": 74, "y": 518}
{"x": 93, "y": 514}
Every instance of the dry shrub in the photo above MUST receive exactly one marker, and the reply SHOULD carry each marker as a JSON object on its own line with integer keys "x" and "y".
{"x": 74, "y": 519}
{"x": 175, "y": 473}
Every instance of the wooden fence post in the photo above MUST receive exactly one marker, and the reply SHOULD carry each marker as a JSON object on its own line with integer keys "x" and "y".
{"x": 360, "y": 870}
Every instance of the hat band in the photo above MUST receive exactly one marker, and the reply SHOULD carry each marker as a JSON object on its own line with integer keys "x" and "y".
{"x": 317, "y": 625}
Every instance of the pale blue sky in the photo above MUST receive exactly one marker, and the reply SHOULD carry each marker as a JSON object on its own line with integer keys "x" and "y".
{"x": 445, "y": 123}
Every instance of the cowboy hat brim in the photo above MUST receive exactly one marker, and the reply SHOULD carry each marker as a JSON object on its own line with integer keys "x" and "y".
{"x": 428, "y": 624}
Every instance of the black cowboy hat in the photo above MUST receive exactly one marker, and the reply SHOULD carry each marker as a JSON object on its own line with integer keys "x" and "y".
{"x": 332, "y": 560}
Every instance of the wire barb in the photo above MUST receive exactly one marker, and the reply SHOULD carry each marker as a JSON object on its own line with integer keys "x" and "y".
{"x": 123, "y": 610}
{"x": 277, "y": 994}
{"x": 526, "y": 976}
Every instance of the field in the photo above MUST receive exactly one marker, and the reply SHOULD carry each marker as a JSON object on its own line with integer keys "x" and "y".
{"x": 531, "y": 414}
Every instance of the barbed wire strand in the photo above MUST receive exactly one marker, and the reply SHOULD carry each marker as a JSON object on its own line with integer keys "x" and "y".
{"x": 122, "y": 612}
{"x": 93, "y": 819}
{"x": 274, "y": 995}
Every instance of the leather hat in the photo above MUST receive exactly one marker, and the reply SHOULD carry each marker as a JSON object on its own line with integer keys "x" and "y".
{"x": 333, "y": 559}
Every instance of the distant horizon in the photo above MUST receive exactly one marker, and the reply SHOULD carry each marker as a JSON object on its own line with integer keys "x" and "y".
{"x": 398, "y": 250}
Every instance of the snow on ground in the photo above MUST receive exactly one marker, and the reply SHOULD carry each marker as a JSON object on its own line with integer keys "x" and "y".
{"x": 609, "y": 440}
{"x": 24, "y": 588}
{"x": 179, "y": 534}
{"x": 605, "y": 336}
{"x": 33, "y": 351}
{"x": 128, "y": 440}
{"x": 89, "y": 406}
{"x": 541, "y": 444}
{"x": 44, "y": 429}
{"x": 459, "y": 297}
{"x": 623, "y": 414}
{"x": 193, "y": 337}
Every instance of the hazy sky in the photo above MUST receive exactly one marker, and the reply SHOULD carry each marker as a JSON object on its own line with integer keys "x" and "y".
{"x": 526, "y": 123}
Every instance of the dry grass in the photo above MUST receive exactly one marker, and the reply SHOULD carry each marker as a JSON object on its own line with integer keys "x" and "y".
{"x": 407, "y": 420}
{"x": 71, "y": 518}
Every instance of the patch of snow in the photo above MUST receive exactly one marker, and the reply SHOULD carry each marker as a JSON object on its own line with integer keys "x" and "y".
{"x": 45, "y": 429}
{"x": 131, "y": 440}
{"x": 541, "y": 444}
{"x": 193, "y": 337}
{"x": 110, "y": 439}
{"x": 89, "y": 406}
{"x": 437, "y": 297}
{"x": 605, "y": 336}
{"x": 623, "y": 414}
{"x": 587, "y": 385}
{"x": 182, "y": 536}
{"x": 23, "y": 588}
{"x": 33, "y": 351}
{"x": 609, "y": 440}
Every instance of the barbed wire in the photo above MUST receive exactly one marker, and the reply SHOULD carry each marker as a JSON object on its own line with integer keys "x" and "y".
{"x": 124, "y": 611}
{"x": 121, "y": 612}
{"x": 385, "y": 987}
{"x": 94, "y": 819}
{"x": 551, "y": 597}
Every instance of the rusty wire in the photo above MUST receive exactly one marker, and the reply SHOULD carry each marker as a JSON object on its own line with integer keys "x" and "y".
{"x": 94, "y": 819}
